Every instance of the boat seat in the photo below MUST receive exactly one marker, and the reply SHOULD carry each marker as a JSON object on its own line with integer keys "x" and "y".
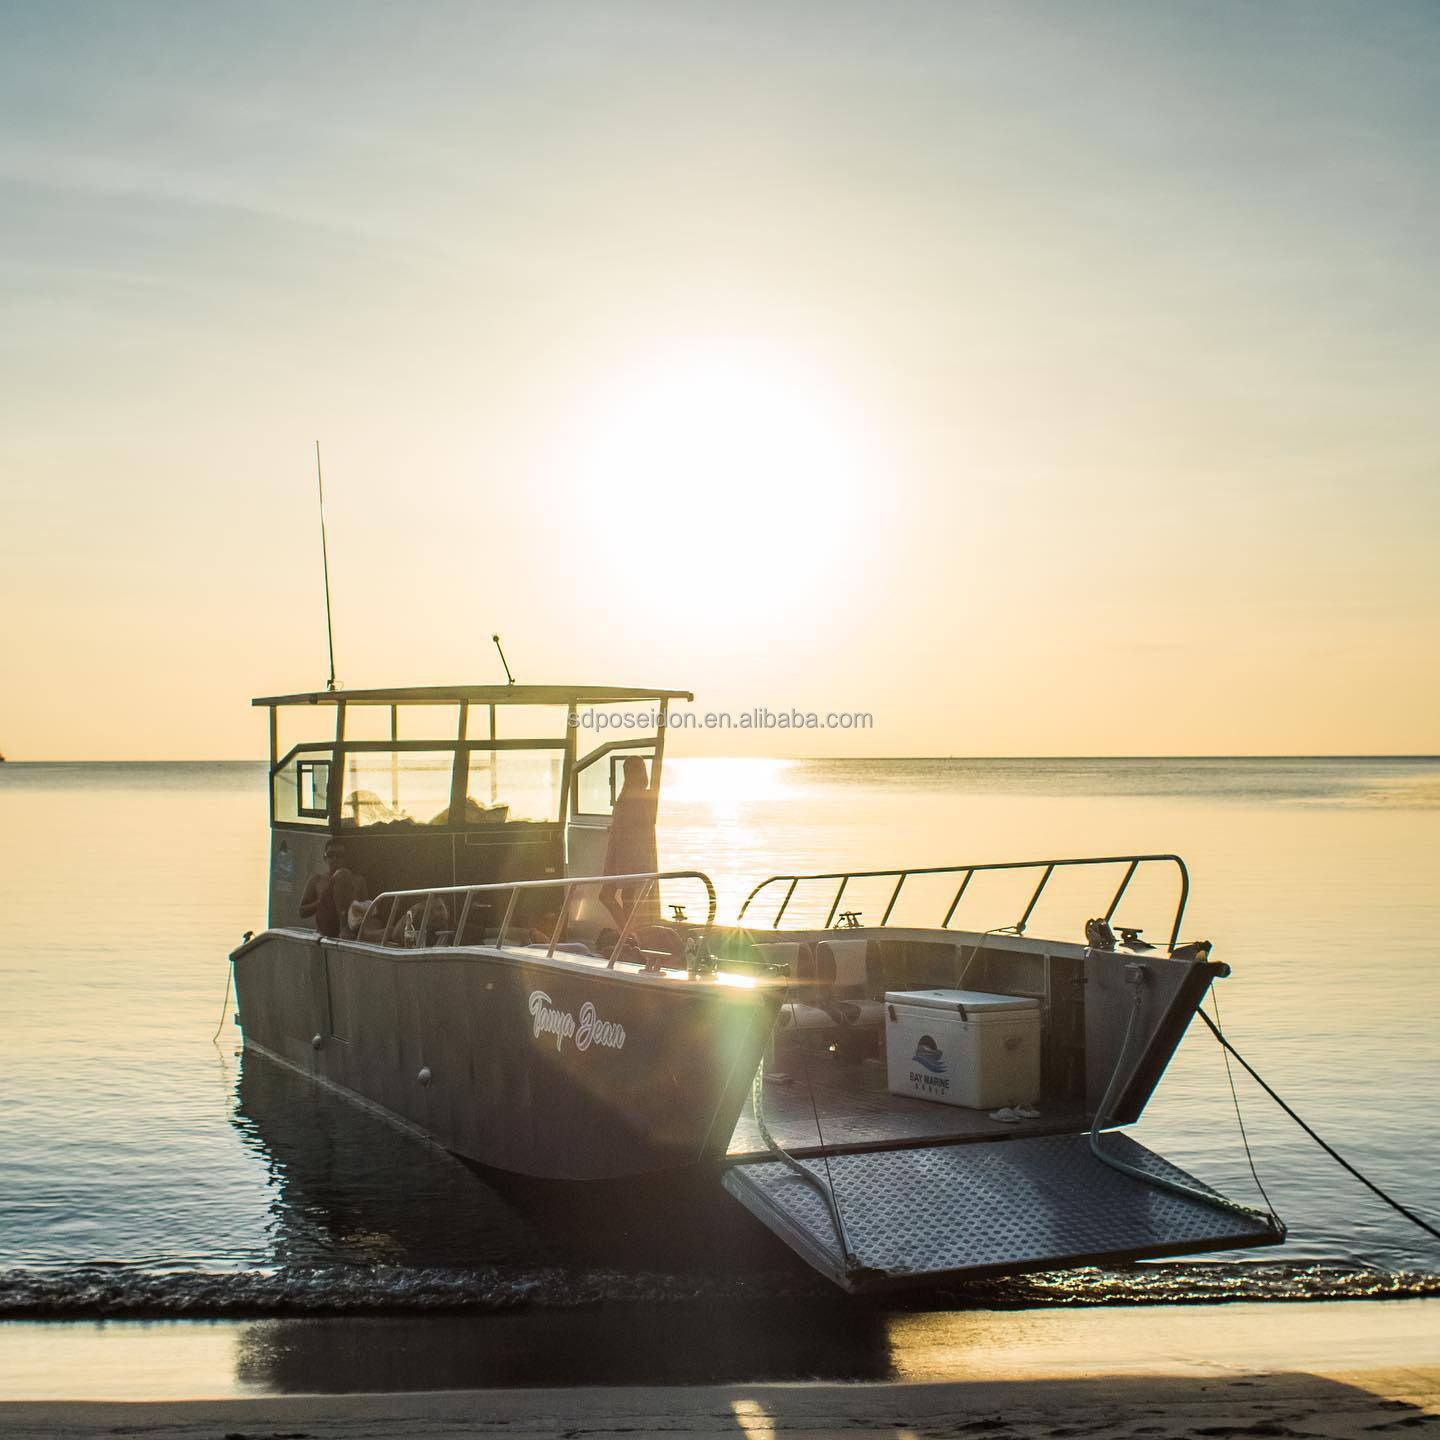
{"x": 829, "y": 998}
{"x": 785, "y": 954}
{"x": 845, "y": 961}
{"x": 832, "y": 980}
{"x": 848, "y": 962}
{"x": 798, "y": 1016}
{"x": 857, "y": 1013}
{"x": 661, "y": 942}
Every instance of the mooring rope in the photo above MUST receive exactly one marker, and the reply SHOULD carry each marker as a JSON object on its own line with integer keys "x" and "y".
{"x": 225, "y": 1003}
{"x": 1330, "y": 1150}
{"x": 1240, "y": 1118}
{"x": 1160, "y": 1182}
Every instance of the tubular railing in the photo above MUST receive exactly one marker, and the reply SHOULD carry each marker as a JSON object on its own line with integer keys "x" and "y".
{"x": 968, "y": 873}
{"x": 403, "y": 901}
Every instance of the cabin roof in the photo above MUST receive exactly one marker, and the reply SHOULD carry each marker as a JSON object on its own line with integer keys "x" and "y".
{"x": 479, "y": 695}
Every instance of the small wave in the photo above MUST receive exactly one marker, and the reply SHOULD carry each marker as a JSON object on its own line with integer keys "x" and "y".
{"x": 120, "y": 1292}
{"x": 117, "y": 1291}
{"x": 1164, "y": 1284}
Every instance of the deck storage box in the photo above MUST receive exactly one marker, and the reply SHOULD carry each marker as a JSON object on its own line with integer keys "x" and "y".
{"x": 963, "y": 1047}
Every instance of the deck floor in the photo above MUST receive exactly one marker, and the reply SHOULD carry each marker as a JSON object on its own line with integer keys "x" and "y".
{"x": 856, "y": 1110}
{"x": 942, "y": 1212}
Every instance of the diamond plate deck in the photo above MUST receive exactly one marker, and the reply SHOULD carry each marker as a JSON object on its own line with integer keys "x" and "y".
{"x": 936, "y": 1212}
{"x": 856, "y": 1111}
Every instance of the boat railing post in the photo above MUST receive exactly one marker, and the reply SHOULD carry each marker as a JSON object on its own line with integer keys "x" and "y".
{"x": 904, "y": 875}
{"x": 629, "y": 924}
{"x": 1120, "y": 891}
{"x": 1020, "y": 923}
{"x": 505, "y": 919}
{"x": 1180, "y": 904}
{"x": 701, "y": 951}
{"x": 750, "y": 898}
{"x": 425, "y": 921}
{"x": 794, "y": 881}
{"x": 955, "y": 903}
{"x": 835, "y": 906}
{"x": 390, "y": 919}
{"x": 561, "y": 918}
{"x": 464, "y": 916}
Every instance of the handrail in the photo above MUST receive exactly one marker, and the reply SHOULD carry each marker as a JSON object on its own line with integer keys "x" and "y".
{"x": 403, "y": 900}
{"x": 967, "y": 872}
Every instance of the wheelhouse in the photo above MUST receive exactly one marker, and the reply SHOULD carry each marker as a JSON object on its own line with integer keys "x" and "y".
{"x": 452, "y": 785}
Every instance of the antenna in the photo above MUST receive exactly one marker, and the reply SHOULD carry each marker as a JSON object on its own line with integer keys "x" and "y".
{"x": 509, "y": 678}
{"x": 325, "y": 561}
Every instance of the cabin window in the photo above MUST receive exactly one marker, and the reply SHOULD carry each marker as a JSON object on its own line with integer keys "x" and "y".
{"x": 519, "y": 722}
{"x": 396, "y": 788}
{"x": 513, "y": 785}
{"x": 301, "y": 790}
{"x": 312, "y": 779}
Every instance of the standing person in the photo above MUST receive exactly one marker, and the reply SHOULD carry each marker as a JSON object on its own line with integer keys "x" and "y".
{"x": 631, "y": 850}
{"x": 328, "y": 895}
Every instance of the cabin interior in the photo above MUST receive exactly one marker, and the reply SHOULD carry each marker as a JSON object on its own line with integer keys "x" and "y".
{"x": 451, "y": 785}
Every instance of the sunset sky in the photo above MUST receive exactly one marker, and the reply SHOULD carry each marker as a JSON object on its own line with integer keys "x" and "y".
{"x": 1041, "y": 378}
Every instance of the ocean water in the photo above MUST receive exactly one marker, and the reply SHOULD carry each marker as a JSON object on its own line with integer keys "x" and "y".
{"x": 152, "y": 1170}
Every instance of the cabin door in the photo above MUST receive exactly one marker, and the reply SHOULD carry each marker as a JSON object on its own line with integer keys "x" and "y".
{"x": 598, "y": 778}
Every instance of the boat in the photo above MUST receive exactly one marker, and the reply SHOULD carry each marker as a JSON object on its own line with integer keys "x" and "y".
{"x": 903, "y": 1101}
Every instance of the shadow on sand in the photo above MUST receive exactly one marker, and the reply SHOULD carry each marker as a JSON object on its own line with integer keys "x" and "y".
{"x": 1155, "y": 1408}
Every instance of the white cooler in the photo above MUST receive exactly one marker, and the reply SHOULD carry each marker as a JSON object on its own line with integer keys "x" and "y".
{"x": 963, "y": 1047}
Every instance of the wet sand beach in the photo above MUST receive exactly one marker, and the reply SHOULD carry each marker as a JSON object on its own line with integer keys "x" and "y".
{"x": 1398, "y": 1401}
{"x": 1401, "y": 1399}
{"x": 1347, "y": 1369}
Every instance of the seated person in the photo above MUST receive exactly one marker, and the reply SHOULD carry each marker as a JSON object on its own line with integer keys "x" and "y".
{"x": 329, "y": 895}
{"x": 439, "y": 930}
{"x": 638, "y": 950}
{"x": 366, "y": 921}
{"x": 544, "y": 928}
{"x": 372, "y": 922}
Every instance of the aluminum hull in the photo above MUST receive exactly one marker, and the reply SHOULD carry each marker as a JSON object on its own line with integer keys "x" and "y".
{"x": 541, "y": 1067}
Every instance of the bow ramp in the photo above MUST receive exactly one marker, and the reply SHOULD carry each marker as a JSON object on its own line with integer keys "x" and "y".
{"x": 889, "y": 1218}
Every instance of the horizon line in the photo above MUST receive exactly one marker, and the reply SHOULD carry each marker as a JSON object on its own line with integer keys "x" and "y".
{"x": 1212, "y": 755}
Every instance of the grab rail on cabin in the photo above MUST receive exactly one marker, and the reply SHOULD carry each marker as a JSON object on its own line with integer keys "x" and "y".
{"x": 403, "y": 901}
{"x": 968, "y": 873}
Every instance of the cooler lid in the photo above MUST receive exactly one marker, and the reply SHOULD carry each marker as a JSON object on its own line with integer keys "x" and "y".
{"x": 961, "y": 1000}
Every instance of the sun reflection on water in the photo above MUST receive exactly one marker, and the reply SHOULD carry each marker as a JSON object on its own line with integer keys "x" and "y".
{"x": 727, "y": 784}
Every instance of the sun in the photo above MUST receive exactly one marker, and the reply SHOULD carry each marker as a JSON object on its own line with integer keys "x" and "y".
{"x": 719, "y": 449}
